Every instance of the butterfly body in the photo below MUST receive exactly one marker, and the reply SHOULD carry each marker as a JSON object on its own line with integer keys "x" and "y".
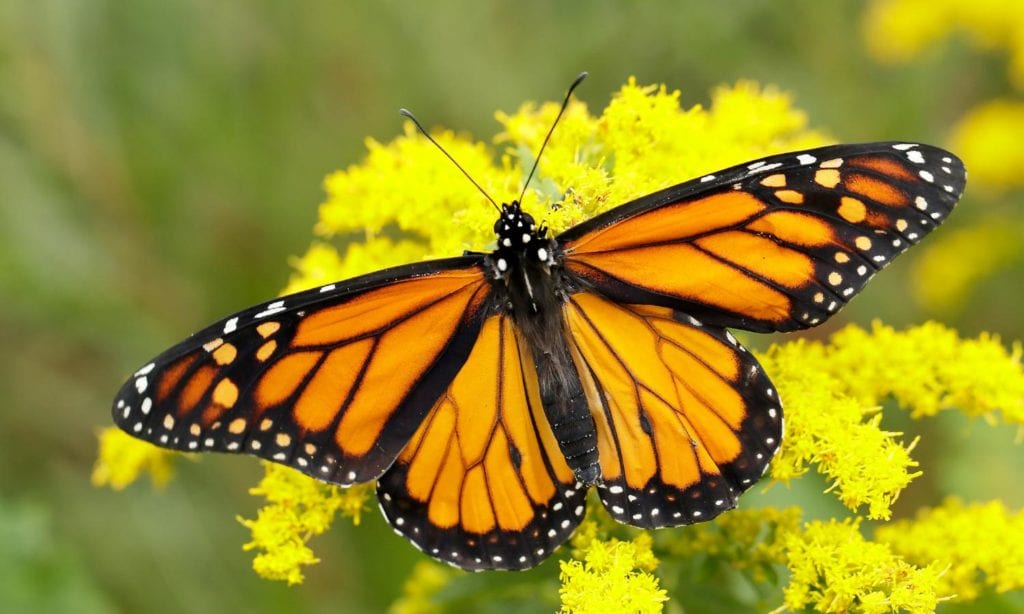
{"x": 486, "y": 394}
{"x": 530, "y": 281}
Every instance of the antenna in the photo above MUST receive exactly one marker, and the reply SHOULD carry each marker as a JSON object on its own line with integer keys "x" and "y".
{"x": 565, "y": 103}
{"x": 408, "y": 113}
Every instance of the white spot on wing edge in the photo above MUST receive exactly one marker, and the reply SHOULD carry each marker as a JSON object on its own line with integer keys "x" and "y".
{"x": 806, "y": 159}
{"x": 146, "y": 370}
{"x": 231, "y": 325}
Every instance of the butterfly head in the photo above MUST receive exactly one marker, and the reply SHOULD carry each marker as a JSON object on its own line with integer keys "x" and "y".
{"x": 520, "y": 240}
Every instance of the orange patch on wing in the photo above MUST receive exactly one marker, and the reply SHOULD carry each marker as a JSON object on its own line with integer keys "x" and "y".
{"x": 511, "y": 505}
{"x": 283, "y": 378}
{"x": 475, "y": 391}
{"x": 323, "y": 396}
{"x": 761, "y": 256}
{"x": 225, "y": 354}
{"x": 718, "y": 356}
{"x": 195, "y": 388}
{"x": 710, "y": 429}
{"x": 172, "y": 375}
{"x": 686, "y": 272}
{"x": 677, "y": 464}
{"x": 443, "y": 509}
{"x": 425, "y": 460}
{"x": 827, "y": 178}
{"x": 225, "y": 393}
{"x": 378, "y": 309}
{"x": 708, "y": 386}
{"x": 790, "y": 196}
{"x": 396, "y": 366}
{"x": 852, "y": 210}
{"x": 475, "y": 509}
{"x": 795, "y": 227}
{"x": 268, "y": 328}
{"x": 876, "y": 190}
{"x": 266, "y": 350}
{"x": 671, "y": 222}
{"x": 887, "y": 166}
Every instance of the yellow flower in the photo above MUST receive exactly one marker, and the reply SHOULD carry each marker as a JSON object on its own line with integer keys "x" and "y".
{"x": 298, "y": 508}
{"x": 426, "y": 579}
{"x": 642, "y": 141}
{"x": 948, "y": 267}
{"x": 612, "y": 577}
{"x": 832, "y": 393}
{"x": 897, "y": 30}
{"x": 988, "y": 140}
{"x": 834, "y": 569}
{"x": 978, "y": 545}
{"x": 827, "y": 427}
{"x": 123, "y": 458}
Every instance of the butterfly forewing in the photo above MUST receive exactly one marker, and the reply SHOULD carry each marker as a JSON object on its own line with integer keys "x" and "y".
{"x": 778, "y": 244}
{"x": 482, "y": 484}
{"x": 326, "y": 381}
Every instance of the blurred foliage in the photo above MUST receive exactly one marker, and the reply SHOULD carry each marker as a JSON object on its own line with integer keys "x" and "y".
{"x": 160, "y": 162}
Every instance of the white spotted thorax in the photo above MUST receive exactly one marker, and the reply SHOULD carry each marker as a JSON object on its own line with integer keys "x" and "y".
{"x": 519, "y": 240}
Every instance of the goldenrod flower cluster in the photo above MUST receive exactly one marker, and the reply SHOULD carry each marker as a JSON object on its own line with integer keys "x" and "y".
{"x": 123, "y": 458}
{"x": 298, "y": 508}
{"x": 979, "y": 546}
{"x": 610, "y": 573}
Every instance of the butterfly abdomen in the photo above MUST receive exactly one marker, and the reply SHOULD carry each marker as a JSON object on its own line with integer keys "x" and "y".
{"x": 565, "y": 406}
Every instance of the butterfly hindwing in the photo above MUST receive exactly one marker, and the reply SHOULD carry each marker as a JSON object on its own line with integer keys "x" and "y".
{"x": 482, "y": 484}
{"x": 774, "y": 245}
{"x": 686, "y": 418}
{"x": 332, "y": 381}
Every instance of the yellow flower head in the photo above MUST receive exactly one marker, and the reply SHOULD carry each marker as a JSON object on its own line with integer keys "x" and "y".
{"x": 642, "y": 141}
{"x": 834, "y": 569}
{"x": 611, "y": 576}
{"x": 298, "y": 508}
{"x": 123, "y": 458}
{"x": 979, "y": 545}
{"x": 898, "y": 30}
{"x": 832, "y": 393}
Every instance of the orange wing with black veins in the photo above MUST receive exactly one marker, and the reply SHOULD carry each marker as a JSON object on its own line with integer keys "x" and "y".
{"x": 332, "y": 382}
{"x": 482, "y": 484}
{"x": 686, "y": 418}
{"x": 774, "y": 245}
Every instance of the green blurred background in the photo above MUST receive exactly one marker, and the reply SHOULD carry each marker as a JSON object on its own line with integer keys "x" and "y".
{"x": 161, "y": 161}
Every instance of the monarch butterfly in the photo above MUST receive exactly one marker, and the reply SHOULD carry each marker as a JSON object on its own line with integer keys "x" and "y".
{"x": 488, "y": 393}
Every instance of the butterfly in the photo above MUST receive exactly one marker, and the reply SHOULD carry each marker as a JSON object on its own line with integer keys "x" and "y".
{"x": 488, "y": 393}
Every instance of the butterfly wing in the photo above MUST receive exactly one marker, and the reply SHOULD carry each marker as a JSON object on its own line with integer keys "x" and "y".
{"x": 482, "y": 484}
{"x": 332, "y": 381}
{"x": 774, "y": 245}
{"x": 686, "y": 418}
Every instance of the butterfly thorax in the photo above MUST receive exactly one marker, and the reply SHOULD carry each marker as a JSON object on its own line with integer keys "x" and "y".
{"x": 531, "y": 285}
